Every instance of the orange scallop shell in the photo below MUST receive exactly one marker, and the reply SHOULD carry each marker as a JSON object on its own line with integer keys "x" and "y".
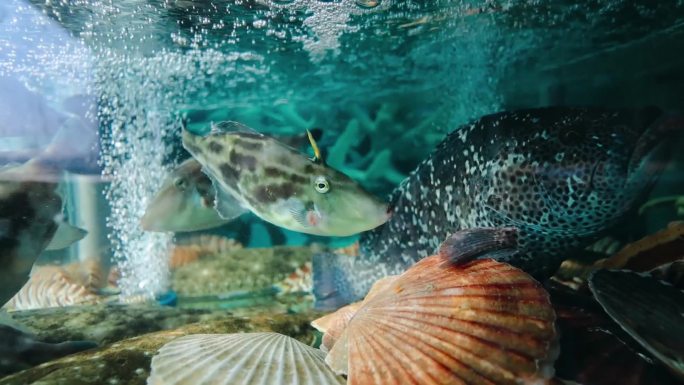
{"x": 333, "y": 324}
{"x": 484, "y": 322}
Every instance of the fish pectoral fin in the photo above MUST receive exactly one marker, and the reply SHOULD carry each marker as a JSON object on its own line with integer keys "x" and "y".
{"x": 227, "y": 206}
{"x": 480, "y": 242}
{"x": 65, "y": 236}
{"x": 298, "y": 211}
{"x": 231, "y": 126}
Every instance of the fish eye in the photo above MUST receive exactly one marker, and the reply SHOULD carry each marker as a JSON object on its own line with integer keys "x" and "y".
{"x": 179, "y": 183}
{"x": 322, "y": 185}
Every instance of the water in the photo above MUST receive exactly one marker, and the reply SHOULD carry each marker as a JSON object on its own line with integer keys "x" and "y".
{"x": 383, "y": 80}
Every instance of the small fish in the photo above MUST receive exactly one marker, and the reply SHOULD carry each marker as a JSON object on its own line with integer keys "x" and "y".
{"x": 185, "y": 202}
{"x": 254, "y": 172}
{"x": 560, "y": 176}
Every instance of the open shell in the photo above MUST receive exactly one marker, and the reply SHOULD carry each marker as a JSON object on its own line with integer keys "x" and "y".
{"x": 484, "y": 322}
{"x": 240, "y": 359}
{"x": 52, "y": 286}
{"x": 333, "y": 324}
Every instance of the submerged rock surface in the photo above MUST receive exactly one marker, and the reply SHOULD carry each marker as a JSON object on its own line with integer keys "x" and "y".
{"x": 128, "y": 361}
{"x": 241, "y": 269}
{"x": 105, "y": 324}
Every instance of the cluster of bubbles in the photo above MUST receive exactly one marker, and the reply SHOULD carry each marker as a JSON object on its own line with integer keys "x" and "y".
{"x": 147, "y": 62}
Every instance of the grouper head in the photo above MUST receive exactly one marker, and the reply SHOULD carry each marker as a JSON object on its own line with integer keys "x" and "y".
{"x": 185, "y": 202}
{"x": 281, "y": 185}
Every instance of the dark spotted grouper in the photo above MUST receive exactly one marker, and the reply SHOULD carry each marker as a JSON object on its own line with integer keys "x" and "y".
{"x": 254, "y": 172}
{"x": 559, "y": 176}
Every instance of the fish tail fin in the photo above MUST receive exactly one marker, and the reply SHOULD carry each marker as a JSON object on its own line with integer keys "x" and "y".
{"x": 332, "y": 284}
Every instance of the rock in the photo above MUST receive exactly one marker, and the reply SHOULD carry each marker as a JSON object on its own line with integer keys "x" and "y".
{"x": 108, "y": 323}
{"x": 241, "y": 269}
{"x": 128, "y": 361}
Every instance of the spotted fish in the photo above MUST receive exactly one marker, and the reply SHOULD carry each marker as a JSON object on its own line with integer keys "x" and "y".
{"x": 185, "y": 201}
{"x": 253, "y": 172}
{"x": 559, "y": 176}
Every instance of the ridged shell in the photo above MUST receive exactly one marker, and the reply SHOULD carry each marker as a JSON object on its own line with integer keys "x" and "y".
{"x": 484, "y": 322}
{"x": 334, "y": 324}
{"x": 87, "y": 273}
{"x": 182, "y": 255}
{"x": 50, "y": 286}
{"x": 240, "y": 359}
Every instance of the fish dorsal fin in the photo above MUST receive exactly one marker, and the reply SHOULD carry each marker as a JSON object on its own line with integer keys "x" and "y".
{"x": 318, "y": 157}
{"x": 231, "y": 126}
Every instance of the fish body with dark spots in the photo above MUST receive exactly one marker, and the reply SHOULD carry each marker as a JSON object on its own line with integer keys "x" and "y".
{"x": 560, "y": 176}
{"x": 254, "y": 172}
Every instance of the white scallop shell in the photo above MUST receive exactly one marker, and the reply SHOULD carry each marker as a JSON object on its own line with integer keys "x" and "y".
{"x": 240, "y": 359}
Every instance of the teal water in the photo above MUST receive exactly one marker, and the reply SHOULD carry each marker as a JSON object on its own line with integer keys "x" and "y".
{"x": 384, "y": 81}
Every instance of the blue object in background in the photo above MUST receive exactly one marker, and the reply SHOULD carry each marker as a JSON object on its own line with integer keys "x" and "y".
{"x": 169, "y": 298}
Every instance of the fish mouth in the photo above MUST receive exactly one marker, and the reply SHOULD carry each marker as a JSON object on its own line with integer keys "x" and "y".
{"x": 148, "y": 224}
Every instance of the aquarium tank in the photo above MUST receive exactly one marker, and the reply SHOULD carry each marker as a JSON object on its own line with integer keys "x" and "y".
{"x": 363, "y": 192}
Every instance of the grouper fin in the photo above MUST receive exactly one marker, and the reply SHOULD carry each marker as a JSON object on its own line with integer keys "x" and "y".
{"x": 227, "y": 206}
{"x": 480, "y": 242}
{"x": 331, "y": 281}
{"x": 649, "y": 310}
{"x": 65, "y": 236}
{"x": 231, "y": 126}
